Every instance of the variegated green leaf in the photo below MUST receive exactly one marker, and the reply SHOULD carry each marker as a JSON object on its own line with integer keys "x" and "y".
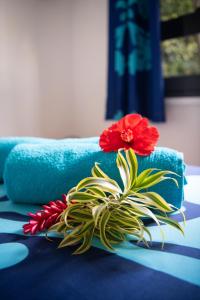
{"x": 123, "y": 170}
{"x": 117, "y": 236}
{"x": 133, "y": 165}
{"x": 96, "y": 191}
{"x": 86, "y": 226}
{"x": 59, "y": 227}
{"x": 159, "y": 201}
{"x": 67, "y": 211}
{"x": 155, "y": 179}
{"x": 97, "y": 172}
{"x": 144, "y": 175}
{"x": 82, "y": 197}
{"x": 172, "y": 179}
{"x": 105, "y": 184}
{"x": 180, "y": 211}
{"x": 171, "y": 222}
{"x": 70, "y": 241}
{"x": 148, "y": 233}
{"x": 69, "y": 237}
{"x": 82, "y": 215}
{"x": 96, "y": 212}
{"x": 87, "y": 239}
{"x": 102, "y": 226}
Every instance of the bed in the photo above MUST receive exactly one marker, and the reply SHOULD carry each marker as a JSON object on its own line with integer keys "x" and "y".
{"x": 31, "y": 267}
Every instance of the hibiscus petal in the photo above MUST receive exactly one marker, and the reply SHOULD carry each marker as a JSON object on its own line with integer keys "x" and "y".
{"x": 129, "y": 121}
{"x": 111, "y": 141}
{"x": 145, "y": 143}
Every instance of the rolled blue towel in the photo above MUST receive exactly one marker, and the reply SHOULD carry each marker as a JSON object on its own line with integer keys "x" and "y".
{"x": 40, "y": 173}
{"x": 8, "y": 143}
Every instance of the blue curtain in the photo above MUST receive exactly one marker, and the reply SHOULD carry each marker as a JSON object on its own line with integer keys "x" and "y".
{"x": 135, "y": 81}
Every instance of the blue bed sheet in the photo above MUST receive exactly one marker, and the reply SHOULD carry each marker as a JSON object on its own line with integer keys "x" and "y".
{"x": 33, "y": 268}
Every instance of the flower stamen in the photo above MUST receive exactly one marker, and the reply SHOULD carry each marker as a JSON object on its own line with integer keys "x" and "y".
{"x": 127, "y": 135}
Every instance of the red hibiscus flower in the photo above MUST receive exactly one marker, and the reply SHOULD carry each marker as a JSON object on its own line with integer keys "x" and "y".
{"x": 132, "y": 131}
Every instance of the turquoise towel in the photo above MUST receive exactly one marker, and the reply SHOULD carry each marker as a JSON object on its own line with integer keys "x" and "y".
{"x": 40, "y": 173}
{"x": 8, "y": 143}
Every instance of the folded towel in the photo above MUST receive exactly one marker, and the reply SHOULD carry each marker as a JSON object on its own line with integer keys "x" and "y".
{"x": 40, "y": 173}
{"x": 8, "y": 143}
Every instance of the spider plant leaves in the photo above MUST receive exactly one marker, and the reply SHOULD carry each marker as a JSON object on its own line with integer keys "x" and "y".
{"x": 97, "y": 172}
{"x": 68, "y": 211}
{"x": 148, "y": 233}
{"x": 58, "y": 227}
{"x": 145, "y": 212}
{"x": 80, "y": 215}
{"x": 125, "y": 214}
{"x": 143, "y": 175}
{"x": 124, "y": 219}
{"x": 70, "y": 241}
{"x": 98, "y": 207}
{"x": 154, "y": 179}
{"x": 96, "y": 191}
{"x": 87, "y": 239}
{"x": 105, "y": 184}
{"x": 181, "y": 212}
{"x": 85, "y": 227}
{"x": 133, "y": 165}
{"x": 172, "y": 179}
{"x": 124, "y": 171}
{"x": 62, "y": 227}
{"x": 171, "y": 222}
{"x": 82, "y": 197}
{"x": 143, "y": 200}
{"x": 158, "y": 201}
{"x": 70, "y": 237}
{"x": 151, "y": 199}
{"x": 96, "y": 212}
{"x": 102, "y": 227}
{"x": 126, "y": 223}
{"x": 115, "y": 236}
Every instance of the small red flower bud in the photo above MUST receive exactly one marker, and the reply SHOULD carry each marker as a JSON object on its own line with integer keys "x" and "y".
{"x": 46, "y": 217}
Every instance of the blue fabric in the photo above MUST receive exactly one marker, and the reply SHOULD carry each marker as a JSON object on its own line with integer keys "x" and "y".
{"x": 8, "y": 143}
{"x": 40, "y": 173}
{"x": 135, "y": 81}
{"x": 33, "y": 268}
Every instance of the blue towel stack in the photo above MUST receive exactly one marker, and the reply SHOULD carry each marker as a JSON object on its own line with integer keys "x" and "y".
{"x": 7, "y": 144}
{"x": 40, "y": 173}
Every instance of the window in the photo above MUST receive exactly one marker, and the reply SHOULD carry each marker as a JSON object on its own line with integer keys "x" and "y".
{"x": 180, "y": 34}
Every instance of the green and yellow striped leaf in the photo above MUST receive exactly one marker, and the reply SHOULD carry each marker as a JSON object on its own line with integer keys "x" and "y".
{"x": 133, "y": 165}
{"x": 105, "y": 184}
{"x": 123, "y": 170}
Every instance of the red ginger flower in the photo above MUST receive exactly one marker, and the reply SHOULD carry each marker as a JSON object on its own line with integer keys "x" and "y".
{"x": 132, "y": 131}
{"x": 45, "y": 218}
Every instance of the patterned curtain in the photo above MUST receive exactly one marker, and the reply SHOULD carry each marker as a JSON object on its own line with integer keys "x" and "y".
{"x": 135, "y": 81}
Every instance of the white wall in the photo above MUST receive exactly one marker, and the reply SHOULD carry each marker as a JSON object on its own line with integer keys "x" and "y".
{"x": 35, "y": 67}
{"x": 19, "y": 82}
{"x": 65, "y": 64}
{"x": 53, "y": 36}
{"x": 181, "y": 131}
